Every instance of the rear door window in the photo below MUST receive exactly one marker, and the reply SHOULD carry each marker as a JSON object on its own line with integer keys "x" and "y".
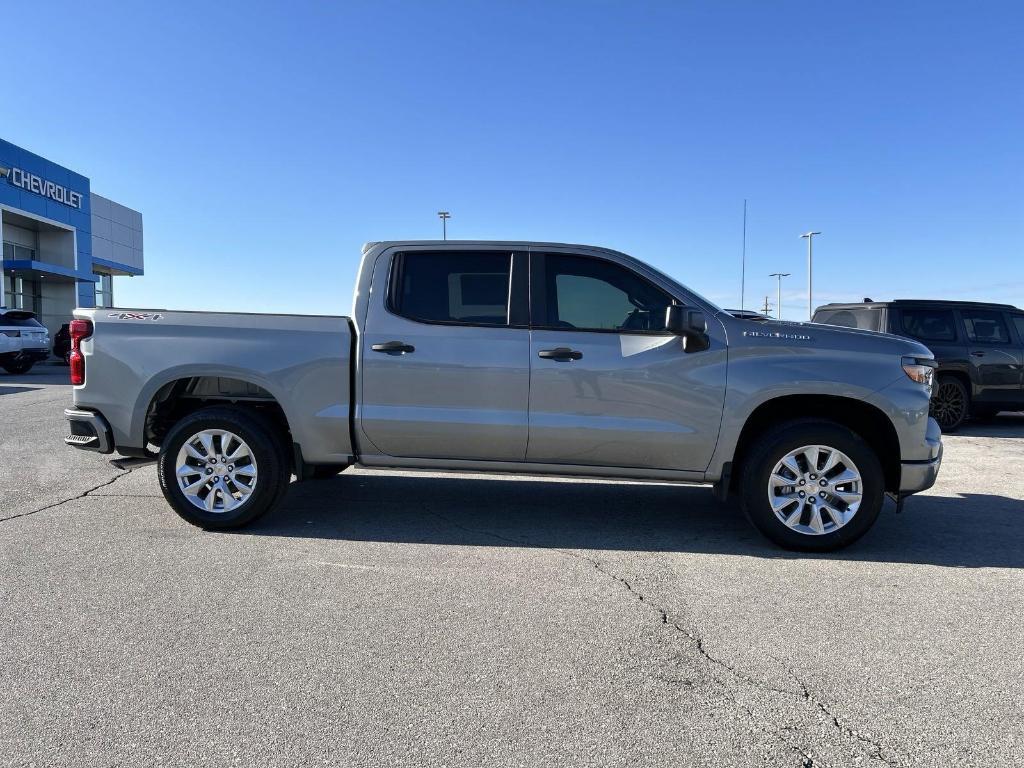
{"x": 985, "y": 326}
{"x": 929, "y": 324}
{"x": 866, "y": 319}
{"x": 461, "y": 288}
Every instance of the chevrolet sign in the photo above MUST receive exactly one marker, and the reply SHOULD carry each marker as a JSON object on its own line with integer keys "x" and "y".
{"x": 32, "y": 183}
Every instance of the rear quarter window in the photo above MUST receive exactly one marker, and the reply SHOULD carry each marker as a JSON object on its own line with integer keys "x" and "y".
{"x": 864, "y": 319}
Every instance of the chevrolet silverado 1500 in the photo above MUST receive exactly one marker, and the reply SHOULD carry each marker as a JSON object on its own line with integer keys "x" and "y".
{"x": 513, "y": 357}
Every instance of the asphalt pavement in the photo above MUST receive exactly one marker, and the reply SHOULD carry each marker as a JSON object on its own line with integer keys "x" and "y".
{"x": 413, "y": 619}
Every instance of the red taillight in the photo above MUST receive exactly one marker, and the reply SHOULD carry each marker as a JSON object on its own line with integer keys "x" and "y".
{"x": 79, "y": 329}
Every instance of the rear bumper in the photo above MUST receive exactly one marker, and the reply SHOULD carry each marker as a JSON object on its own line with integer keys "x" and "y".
{"x": 916, "y": 476}
{"x": 89, "y": 431}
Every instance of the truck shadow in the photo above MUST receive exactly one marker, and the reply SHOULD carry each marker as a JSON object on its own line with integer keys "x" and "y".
{"x": 969, "y": 531}
{"x": 5, "y": 390}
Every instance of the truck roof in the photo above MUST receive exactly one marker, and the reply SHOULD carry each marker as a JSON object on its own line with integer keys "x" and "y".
{"x": 503, "y": 243}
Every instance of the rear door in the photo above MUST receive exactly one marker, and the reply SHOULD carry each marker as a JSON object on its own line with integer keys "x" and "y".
{"x": 995, "y": 358}
{"x": 445, "y": 355}
{"x": 608, "y": 385}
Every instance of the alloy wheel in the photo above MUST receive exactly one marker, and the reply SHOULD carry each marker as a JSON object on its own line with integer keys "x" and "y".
{"x": 815, "y": 490}
{"x": 216, "y": 470}
{"x": 948, "y": 404}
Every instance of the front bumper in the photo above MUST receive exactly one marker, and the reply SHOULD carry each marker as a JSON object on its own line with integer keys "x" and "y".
{"x": 916, "y": 476}
{"x": 89, "y": 431}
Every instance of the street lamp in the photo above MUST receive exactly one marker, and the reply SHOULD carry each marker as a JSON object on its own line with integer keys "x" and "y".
{"x": 778, "y": 307}
{"x": 810, "y": 272}
{"x": 444, "y": 216}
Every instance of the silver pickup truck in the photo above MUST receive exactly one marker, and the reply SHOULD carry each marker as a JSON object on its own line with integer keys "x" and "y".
{"x": 513, "y": 357}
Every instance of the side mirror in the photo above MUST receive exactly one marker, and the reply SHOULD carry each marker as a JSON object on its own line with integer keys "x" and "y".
{"x": 690, "y": 324}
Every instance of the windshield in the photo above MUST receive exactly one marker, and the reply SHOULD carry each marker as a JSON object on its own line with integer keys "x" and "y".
{"x": 866, "y": 318}
{"x": 746, "y": 314}
{"x": 672, "y": 281}
{"x": 19, "y": 320}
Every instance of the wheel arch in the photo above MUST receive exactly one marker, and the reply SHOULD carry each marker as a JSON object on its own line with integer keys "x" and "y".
{"x": 169, "y": 401}
{"x": 864, "y": 419}
{"x": 964, "y": 377}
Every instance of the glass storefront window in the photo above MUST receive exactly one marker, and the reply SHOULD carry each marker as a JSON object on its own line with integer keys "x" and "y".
{"x": 21, "y": 292}
{"x": 104, "y": 291}
{"x": 21, "y": 252}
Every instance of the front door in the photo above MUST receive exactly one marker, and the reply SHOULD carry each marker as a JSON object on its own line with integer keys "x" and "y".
{"x": 994, "y": 357}
{"x": 608, "y": 385}
{"x": 445, "y": 360}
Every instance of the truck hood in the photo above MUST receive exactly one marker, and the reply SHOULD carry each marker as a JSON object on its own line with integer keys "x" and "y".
{"x": 820, "y": 336}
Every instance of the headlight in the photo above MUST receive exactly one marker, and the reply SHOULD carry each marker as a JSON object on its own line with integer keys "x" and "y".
{"x": 920, "y": 369}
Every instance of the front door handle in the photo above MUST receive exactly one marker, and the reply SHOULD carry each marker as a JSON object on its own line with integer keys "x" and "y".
{"x": 561, "y": 354}
{"x": 394, "y": 348}
{"x": 977, "y": 354}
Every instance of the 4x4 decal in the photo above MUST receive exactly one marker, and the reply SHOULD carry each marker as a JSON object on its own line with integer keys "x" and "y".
{"x": 136, "y": 315}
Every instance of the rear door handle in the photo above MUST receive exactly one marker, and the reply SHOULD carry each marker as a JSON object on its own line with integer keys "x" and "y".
{"x": 977, "y": 354}
{"x": 561, "y": 354}
{"x": 394, "y": 347}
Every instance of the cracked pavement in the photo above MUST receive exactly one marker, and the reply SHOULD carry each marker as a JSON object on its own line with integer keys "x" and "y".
{"x": 398, "y": 618}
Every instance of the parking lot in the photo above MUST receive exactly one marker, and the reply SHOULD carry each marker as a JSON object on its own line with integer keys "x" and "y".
{"x": 398, "y": 618}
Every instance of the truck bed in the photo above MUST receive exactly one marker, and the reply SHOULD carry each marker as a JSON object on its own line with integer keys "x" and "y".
{"x": 301, "y": 361}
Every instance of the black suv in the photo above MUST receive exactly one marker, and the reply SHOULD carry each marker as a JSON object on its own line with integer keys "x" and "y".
{"x": 62, "y": 343}
{"x": 979, "y": 348}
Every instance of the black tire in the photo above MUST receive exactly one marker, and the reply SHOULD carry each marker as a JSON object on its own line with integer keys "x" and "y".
{"x": 770, "y": 449}
{"x": 951, "y": 403}
{"x": 19, "y": 366}
{"x": 266, "y": 447}
{"x": 327, "y": 471}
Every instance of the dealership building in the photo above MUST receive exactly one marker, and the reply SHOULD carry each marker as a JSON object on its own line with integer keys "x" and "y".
{"x": 63, "y": 243}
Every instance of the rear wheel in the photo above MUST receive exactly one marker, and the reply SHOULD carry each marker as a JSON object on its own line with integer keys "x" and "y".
{"x": 950, "y": 403}
{"x": 812, "y": 485}
{"x": 222, "y": 467}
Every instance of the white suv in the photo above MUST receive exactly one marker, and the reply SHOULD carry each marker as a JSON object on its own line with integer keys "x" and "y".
{"x": 24, "y": 341}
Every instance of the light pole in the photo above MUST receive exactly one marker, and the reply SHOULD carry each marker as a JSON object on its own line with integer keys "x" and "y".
{"x": 444, "y": 216}
{"x": 778, "y": 307}
{"x": 810, "y": 272}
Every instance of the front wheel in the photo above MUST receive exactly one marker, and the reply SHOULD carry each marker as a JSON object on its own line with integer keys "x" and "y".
{"x": 222, "y": 467}
{"x": 812, "y": 485}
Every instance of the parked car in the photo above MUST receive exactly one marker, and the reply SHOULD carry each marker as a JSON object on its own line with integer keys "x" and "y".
{"x": 979, "y": 348}
{"x": 512, "y": 357}
{"x": 62, "y": 343}
{"x": 28, "y": 341}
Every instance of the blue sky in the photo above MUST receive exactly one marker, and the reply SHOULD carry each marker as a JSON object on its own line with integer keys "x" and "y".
{"x": 265, "y": 142}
